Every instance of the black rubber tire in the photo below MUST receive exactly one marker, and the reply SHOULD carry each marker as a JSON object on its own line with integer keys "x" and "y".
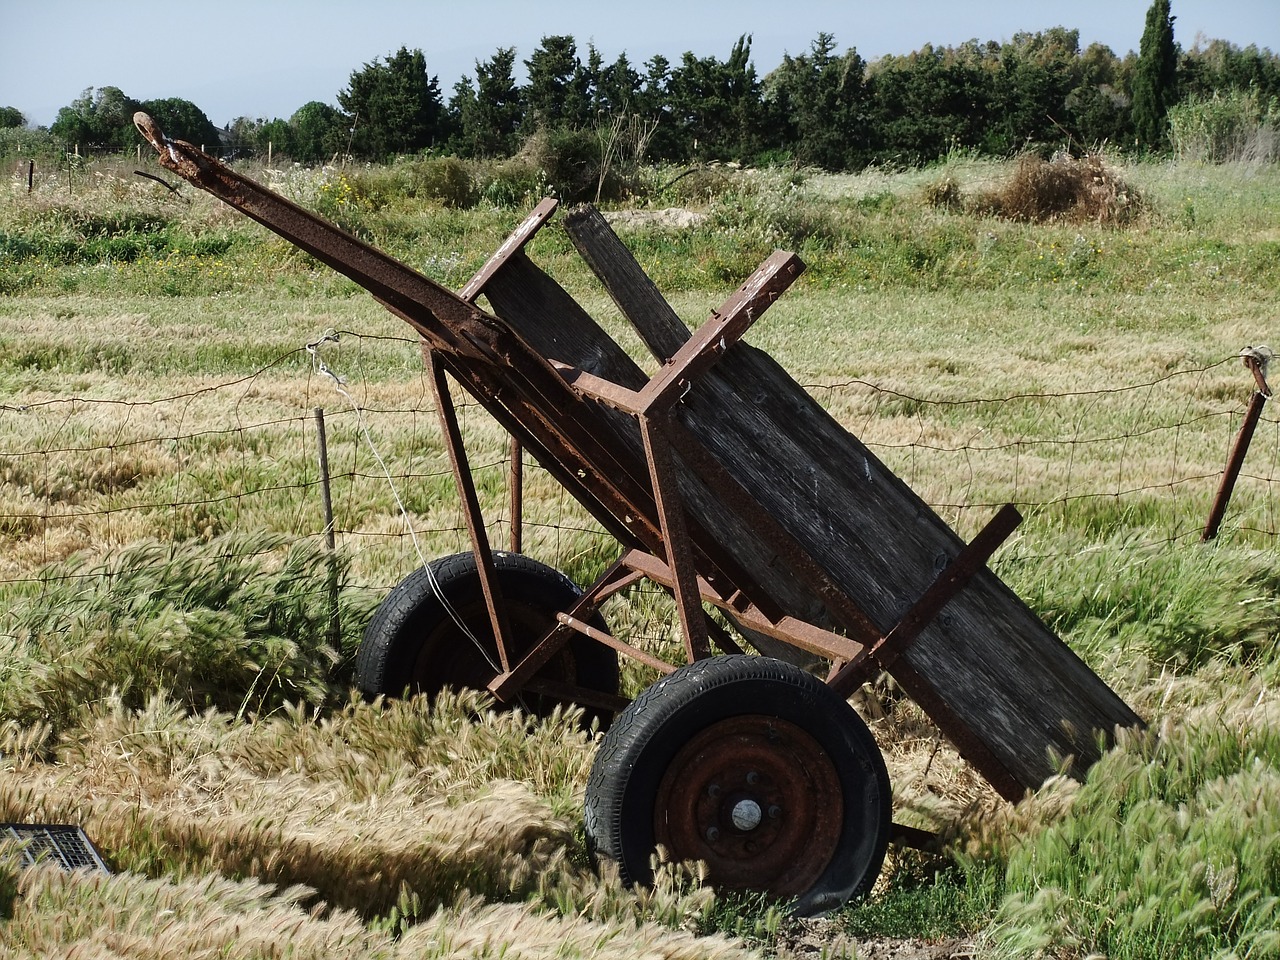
{"x": 413, "y": 645}
{"x": 634, "y": 756}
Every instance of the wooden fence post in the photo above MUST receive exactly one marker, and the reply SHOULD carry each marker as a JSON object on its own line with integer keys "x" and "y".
{"x": 326, "y": 500}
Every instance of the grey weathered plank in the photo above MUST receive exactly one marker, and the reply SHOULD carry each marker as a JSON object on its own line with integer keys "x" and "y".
{"x": 636, "y": 295}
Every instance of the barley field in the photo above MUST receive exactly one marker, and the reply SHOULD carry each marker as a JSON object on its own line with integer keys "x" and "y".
{"x": 177, "y": 641}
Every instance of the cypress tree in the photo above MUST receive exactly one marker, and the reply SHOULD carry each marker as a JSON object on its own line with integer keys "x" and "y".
{"x": 1155, "y": 77}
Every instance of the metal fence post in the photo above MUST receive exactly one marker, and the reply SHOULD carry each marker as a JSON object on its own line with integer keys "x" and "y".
{"x": 1256, "y": 364}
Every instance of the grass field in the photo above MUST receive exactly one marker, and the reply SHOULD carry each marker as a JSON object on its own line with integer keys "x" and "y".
{"x": 170, "y": 673}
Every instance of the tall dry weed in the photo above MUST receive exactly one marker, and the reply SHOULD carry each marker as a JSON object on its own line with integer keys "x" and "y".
{"x": 1064, "y": 189}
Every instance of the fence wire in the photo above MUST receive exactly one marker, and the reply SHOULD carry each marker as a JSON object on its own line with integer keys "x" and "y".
{"x": 90, "y": 472}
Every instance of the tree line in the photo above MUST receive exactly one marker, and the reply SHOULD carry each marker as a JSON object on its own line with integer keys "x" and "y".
{"x": 826, "y": 107}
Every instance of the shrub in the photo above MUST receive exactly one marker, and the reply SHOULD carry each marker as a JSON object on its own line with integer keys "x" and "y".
{"x": 446, "y": 179}
{"x": 1238, "y": 126}
{"x": 944, "y": 193}
{"x": 1064, "y": 189}
{"x": 574, "y": 164}
{"x": 512, "y": 183}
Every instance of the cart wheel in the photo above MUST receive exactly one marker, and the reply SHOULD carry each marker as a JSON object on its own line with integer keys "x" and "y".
{"x": 414, "y": 644}
{"x": 753, "y": 766}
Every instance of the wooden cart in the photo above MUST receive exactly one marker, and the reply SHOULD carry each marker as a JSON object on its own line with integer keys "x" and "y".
{"x": 724, "y": 482}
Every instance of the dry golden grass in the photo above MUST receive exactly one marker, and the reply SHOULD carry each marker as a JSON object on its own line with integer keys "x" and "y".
{"x": 386, "y": 810}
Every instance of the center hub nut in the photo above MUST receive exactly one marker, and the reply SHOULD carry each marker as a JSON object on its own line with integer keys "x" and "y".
{"x": 746, "y": 815}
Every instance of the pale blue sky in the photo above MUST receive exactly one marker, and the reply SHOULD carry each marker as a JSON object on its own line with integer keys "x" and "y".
{"x": 266, "y": 58}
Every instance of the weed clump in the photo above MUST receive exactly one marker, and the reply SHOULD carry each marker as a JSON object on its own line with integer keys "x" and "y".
{"x": 944, "y": 194}
{"x": 1064, "y": 189}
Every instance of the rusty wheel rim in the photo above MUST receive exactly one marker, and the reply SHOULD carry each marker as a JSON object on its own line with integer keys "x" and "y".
{"x": 758, "y": 799}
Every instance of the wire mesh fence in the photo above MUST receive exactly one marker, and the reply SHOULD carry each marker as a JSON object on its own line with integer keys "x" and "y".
{"x": 91, "y": 471}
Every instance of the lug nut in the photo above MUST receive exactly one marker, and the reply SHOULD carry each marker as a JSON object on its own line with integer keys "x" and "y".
{"x": 713, "y": 834}
{"x": 775, "y": 811}
{"x": 753, "y": 778}
{"x": 713, "y": 791}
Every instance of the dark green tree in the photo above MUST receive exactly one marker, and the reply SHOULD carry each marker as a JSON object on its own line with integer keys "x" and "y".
{"x": 394, "y": 106}
{"x": 928, "y": 102}
{"x": 617, "y": 89}
{"x": 274, "y": 138}
{"x": 183, "y": 120}
{"x": 1028, "y": 103}
{"x": 1097, "y": 109}
{"x": 1155, "y": 80}
{"x": 818, "y": 105}
{"x": 1220, "y": 66}
{"x": 99, "y": 119}
{"x": 717, "y": 106}
{"x": 653, "y": 105}
{"x": 263, "y": 138}
{"x": 11, "y": 117}
{"x": 487, "y": 116}
{"x": 558, "y": 92}
{"x": 318, "y": 132}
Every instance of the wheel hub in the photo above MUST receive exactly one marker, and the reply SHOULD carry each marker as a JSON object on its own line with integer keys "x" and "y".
{"x": 758, "y": 799}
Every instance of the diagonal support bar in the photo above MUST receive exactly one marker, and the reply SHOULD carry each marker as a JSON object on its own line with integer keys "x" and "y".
{"x": 675, "y": 535}
{"x": 725, "y": 328}
{"x": 471, "y": 510}
{"x": 883, "y": 653}
{"x": 514, "y": 244}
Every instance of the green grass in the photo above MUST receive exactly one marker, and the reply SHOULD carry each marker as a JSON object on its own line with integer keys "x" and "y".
{"x": 167, "y": 671}
{"x": 947, "y": 902}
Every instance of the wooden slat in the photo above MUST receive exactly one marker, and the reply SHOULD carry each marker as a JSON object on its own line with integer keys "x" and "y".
{"x": 638, "y": 297}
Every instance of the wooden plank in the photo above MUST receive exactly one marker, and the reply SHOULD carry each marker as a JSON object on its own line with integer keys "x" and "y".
{"x": 1011, "y": 685}
{"x": 637, "y": 296}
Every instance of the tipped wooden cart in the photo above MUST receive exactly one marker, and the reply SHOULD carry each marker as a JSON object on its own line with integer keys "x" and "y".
{"x": 724, "y": 482}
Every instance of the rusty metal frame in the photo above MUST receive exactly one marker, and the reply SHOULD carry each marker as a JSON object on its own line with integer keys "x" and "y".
{"x": 526, "y": 393}
{"x": 471, "y": 511}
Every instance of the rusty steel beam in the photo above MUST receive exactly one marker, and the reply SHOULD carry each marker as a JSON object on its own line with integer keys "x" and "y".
{"x": 471, "y": 511}
{"x": 516, "y": 385}
{"x": 609, "y": 640}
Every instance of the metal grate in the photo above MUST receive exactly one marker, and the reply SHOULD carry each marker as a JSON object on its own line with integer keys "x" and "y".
{"x": 64, "y": 845}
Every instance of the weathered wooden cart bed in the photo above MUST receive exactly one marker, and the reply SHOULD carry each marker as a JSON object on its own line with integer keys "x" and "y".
{"x": 726, "y": 483}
